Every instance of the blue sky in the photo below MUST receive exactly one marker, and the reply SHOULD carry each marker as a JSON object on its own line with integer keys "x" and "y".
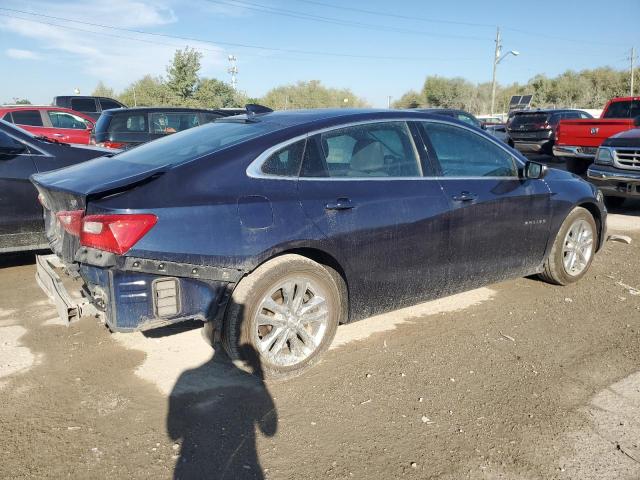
{"x": 374, "y": 55}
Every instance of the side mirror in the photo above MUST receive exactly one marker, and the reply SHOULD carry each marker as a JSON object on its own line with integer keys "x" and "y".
{"x": 534, "y": 170}
{"x": 483, "y": 126}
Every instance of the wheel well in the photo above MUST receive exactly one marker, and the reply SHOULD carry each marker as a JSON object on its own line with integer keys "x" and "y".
{"x": 595, "y": 213}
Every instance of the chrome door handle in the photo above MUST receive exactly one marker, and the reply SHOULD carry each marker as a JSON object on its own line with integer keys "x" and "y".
{"x": 465, "y": 197}
{"x": 340, "y": 204}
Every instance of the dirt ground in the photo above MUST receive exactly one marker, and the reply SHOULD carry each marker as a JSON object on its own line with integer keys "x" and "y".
{"x": 520, "y": 380}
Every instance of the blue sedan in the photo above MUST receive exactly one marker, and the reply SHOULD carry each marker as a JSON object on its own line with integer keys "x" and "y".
{"x": 275, "y": 227}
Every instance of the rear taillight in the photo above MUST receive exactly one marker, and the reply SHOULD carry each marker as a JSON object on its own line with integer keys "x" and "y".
{"x": 115, "y": 233}
{"x": 71, "y": 221}
{"x": 110, "y": 144}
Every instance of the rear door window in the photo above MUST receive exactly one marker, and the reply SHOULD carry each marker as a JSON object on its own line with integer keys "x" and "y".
{"x": 66, "y": 120}
{"x": 10, "y": 146}
{"x": 27, "y": 117}
{"x": 163, "y": 123}
{"x": 134, "y": 122}
{"x": 83, "y": 104}
{"x": 286, "y": 161}
{"x": 382, "y": 149}
{"x": 108, "y": 104}
{"x": 463, "y": 153}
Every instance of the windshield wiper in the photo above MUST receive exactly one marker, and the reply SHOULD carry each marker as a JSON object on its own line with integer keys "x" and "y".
{"x": 50, "y": 140}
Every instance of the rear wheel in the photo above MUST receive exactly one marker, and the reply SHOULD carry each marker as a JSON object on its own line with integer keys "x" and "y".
{"x": 577, "y": 165}
{"x": 284, "y": 315}
{"x": 614, "y": 202}
{"x": 573, "y": 249}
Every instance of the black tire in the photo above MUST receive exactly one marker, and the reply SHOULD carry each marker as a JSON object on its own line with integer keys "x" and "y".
{"x": 614, "y": 202}
{"x": 241, "y": 333}
{"x": 577, "y": 165}
{"x": 554, "y": 270}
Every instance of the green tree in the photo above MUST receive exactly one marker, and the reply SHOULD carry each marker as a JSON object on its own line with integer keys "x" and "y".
{"x": 182, "y": 73}
{"x": 212, "y": 93}
{"x": 311, "y": 94}
{"x": 148, "y": 92}
{"x": 102, "y": 90}
{"x": 21, "y": 101}
{"x": 411, "y": 99}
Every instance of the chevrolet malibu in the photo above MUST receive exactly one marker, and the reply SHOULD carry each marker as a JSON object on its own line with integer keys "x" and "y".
{"x": 276, "y": 227}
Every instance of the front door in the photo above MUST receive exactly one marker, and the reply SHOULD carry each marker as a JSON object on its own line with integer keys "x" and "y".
{"x": 363, "y": 187}
{"x": 499, "y": 221}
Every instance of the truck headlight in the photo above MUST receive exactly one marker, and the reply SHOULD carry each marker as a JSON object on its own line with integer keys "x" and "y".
{"x": 604, "y": 156}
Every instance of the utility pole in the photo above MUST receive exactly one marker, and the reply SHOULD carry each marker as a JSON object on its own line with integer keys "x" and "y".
{"x": 388, "y": 101}
{"x": 632, "y": 59}
{"x": 233, "y": 70}
{"x": 496, "y": 59}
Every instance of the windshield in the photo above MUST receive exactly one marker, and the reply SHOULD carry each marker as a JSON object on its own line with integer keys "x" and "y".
{"x": 624, "y": 109}
{"x": 195, "y": 142}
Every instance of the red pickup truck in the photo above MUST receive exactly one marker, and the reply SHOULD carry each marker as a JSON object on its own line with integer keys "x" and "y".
{"x": 578, "y": 140}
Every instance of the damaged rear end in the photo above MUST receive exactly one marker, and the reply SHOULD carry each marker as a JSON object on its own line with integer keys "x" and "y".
{"x": 94, "y": 270}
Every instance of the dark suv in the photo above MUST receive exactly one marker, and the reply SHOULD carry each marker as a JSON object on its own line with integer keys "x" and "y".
{"x": 534, "y": 131}
{"x": 91, "y": 106}
{"x": 128, "y": 127}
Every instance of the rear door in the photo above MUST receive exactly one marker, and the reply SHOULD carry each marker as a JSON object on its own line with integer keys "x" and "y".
{"x": 32, "y": 121}
{"x": 67, "y": 127}
{"x": 363, "y": 186}
{"x": 21, "y": 223}
{"x": 499, "y": 222}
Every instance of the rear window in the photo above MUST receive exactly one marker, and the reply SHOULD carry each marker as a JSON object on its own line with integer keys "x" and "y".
{"x": 27, "y": 117}
{"x": 625, "y": 109}
{"x": 83, "y": 104}
{"x": 195, "y": 142}
{"x": 164, "y": 123}
{"x": 129, "y": 123}
{"x": 529, "y": 119}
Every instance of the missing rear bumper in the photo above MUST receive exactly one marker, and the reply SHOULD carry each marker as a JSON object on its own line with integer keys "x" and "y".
{"x": 71, "y": 304}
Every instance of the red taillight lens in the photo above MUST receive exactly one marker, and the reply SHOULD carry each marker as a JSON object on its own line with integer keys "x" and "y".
{"x": 115, "y": 233}
{"x": 71, "y": 221}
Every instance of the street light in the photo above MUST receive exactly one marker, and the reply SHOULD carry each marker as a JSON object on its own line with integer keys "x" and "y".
{"x": 496, "y": 60}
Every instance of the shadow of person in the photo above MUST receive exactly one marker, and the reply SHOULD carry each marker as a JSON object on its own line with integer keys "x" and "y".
{"x": 214, "y": 411}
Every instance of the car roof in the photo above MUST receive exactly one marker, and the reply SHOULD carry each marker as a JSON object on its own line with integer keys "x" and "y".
{"x": 547, "y": 110}
{"x": 158, "y": 109}
{"x": 288, "y": 118}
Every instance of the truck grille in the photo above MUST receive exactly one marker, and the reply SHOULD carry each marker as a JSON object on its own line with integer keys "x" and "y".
{"x": 628, "y": 158}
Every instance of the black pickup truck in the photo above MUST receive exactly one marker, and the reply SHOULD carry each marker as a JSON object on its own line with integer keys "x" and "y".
{"x": 616, "y": 169}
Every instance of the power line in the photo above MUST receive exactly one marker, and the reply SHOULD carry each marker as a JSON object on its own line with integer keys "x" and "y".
{"x": 202, "y": 40}
{"x": 580, "y": 39}
{"x": 395, "y": 15}
{"x": 336, "y": 21}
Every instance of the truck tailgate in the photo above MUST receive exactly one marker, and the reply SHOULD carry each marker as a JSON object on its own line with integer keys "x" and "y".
{"x": 590, "y": 132}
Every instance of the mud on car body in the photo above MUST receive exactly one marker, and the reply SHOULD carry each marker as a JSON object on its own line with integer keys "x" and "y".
{"x": 274, "y": 227}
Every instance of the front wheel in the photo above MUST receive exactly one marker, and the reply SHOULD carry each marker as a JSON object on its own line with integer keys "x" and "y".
{"x": 573, "y": 249}
{"x": 284, "y": 315}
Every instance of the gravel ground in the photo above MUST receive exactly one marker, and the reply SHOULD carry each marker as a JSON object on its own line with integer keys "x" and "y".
{"x": 520, "y": 380}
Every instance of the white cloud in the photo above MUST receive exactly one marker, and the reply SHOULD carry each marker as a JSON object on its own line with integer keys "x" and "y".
{"x": 20, "y": 54}
{"x": 113, "y": 56}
